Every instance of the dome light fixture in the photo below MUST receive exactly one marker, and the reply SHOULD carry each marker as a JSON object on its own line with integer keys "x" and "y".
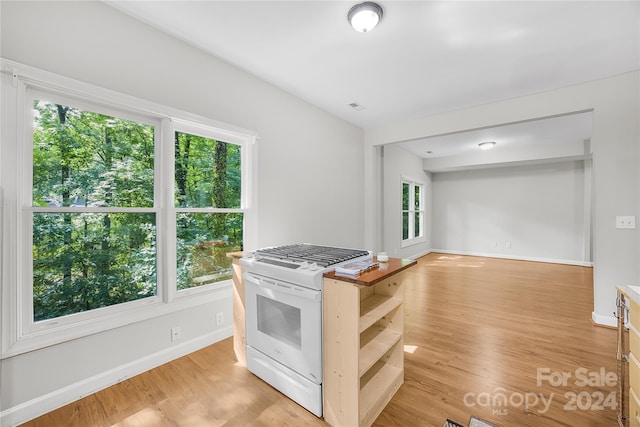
{"x": 487, "y": 145}
{"x": 365, "y": 16}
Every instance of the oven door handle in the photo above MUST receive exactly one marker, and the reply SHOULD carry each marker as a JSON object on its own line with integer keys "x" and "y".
{"x": 274, "y": 285}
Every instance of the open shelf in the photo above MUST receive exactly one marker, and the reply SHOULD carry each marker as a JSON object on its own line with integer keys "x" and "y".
{"x": 380, "y": 384}
{"x": 374, "y": 343}
{"x": 375, "y": 307}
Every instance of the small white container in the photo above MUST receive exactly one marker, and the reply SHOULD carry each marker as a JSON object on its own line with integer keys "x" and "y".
{"x": 383, "y": 257}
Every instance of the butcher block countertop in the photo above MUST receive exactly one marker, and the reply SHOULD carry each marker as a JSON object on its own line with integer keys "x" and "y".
{"x": 369, "y": 278}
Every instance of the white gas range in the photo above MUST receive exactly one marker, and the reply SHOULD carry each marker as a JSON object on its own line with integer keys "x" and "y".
{"x": 283, "y": 297}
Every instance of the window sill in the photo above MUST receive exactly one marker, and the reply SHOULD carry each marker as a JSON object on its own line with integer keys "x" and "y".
{"x": 127, "y": 314}
{"x": 411, "y": 242}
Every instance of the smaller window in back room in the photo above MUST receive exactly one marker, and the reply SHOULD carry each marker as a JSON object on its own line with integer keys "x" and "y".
{"x": 412, "y": 211}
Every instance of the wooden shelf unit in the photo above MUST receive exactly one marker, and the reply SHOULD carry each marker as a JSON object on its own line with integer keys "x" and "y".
{"x": 239, "y": 335}
{"x": 363, "y": 348}
{"x": 630, "y": 384}
{"x": 634, "y": 364}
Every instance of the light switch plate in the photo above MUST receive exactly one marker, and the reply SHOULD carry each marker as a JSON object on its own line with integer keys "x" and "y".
{"x": 626, "y": 222}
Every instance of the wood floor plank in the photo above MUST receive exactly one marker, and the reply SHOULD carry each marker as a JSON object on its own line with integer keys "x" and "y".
{"x": 474, "y": 328}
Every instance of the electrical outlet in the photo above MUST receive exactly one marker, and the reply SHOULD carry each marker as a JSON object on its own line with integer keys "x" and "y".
{"x": 219, "y": 318}
{"x": 175, "y": 333}
{"x": 626, "y": 222}
{"x": 508, "y": 244}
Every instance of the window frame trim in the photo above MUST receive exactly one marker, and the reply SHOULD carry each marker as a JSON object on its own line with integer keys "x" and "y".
{"x": 21, "y": 79}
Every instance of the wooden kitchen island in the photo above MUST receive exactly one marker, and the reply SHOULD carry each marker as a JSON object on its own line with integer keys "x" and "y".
{"x": 363, "y": 342}
{"x": 632, "y": 294}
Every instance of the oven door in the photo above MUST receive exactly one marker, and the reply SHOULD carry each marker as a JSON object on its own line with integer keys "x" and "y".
{"x": 284, "y": 321}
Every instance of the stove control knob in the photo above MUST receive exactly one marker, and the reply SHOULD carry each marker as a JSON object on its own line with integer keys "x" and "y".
{"x": 304, "y": 265}
{"x": 313, "y": 266}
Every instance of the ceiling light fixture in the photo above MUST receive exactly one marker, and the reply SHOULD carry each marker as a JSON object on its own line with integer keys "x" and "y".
{"x": 486, "y": 145}
{"x": 365, "y": 16}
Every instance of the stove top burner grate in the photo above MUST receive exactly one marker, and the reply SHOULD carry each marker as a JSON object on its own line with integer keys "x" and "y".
{"x": 321, "y": 255}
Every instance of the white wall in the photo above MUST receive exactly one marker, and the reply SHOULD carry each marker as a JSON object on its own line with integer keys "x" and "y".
{"x": 534, "y": 212}
{"x": 299, "y": 143}
{"x": 615, "y": 142}
{"x": 306, "y": 191}
{"x": 397, "y": 163}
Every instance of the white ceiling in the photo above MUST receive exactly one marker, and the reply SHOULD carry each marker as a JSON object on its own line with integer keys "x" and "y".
{"x": 562, "y": 130}
{"x": 425, "y": 57}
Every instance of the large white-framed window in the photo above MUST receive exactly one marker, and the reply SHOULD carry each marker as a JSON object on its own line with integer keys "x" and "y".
{"x": 413, "y": 220}
{"x": 89, "y": 210}
{"x": 116, "y": 209}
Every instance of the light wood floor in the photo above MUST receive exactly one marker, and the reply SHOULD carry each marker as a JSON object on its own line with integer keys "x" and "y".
{"x": 480, "y": 327}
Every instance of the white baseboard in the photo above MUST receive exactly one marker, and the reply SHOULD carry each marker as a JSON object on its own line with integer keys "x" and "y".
{"x": 419, "y": 254}
{"x": 601, "y": 320}
{"x": 516, "y": 257}
{"x": 41, "y": 405}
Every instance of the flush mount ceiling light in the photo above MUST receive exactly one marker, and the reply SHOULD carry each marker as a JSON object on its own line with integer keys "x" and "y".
{"x": 365, "y": 16}
{"x": 486, "y": 145}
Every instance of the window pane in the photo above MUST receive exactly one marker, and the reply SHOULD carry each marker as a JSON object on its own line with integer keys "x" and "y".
{"x": 405, "y": 225}
{"x": 86, "y": 261}
{"x": 207, "y": 172}
{"x": 416, "y": 197}
{"x": 202, "y": 244}
{"x": 405, "y": 196}
{"x": 417, "y": 228}
{"x": 82, "y": 158}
